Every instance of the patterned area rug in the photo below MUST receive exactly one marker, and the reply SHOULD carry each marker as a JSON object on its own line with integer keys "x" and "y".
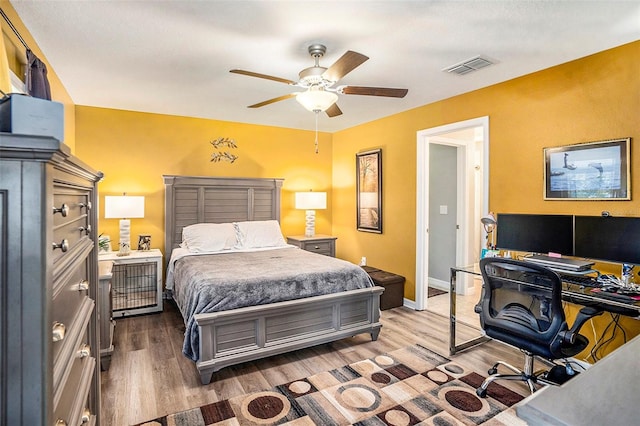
{"x": 406, "y": 387}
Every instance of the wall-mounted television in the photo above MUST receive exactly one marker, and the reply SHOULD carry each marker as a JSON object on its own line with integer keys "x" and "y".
{"x": 535, "y": 233}
{"x": 608, "y": 238}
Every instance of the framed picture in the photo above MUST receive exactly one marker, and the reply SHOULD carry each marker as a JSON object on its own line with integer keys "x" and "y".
{"x": 588, "y": 171}
{"x": 144, "y": 242}
{"x": 369, "y": 191}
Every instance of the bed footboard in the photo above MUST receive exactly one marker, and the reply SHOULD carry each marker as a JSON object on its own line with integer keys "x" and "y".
{"x": 240, "y": 335}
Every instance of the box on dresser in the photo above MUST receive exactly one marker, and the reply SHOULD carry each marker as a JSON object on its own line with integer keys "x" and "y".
{"x": 22, "y": 114}
{"x": 48, "y": 323}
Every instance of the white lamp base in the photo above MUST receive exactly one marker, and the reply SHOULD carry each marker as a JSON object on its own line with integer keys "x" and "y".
{"x": 310, "y": 223}
{"x": 125, "y": 238}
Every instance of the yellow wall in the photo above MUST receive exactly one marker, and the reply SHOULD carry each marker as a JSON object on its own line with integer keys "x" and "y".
{"x": 590, "y": 99}
{"x": 134, "y": 150}
{"x": 58, "y": 91}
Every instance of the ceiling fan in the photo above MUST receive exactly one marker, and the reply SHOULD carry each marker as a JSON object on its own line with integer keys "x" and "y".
{"x": 320, "y": 95}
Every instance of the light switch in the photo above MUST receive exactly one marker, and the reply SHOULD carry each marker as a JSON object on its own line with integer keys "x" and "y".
{"x": 443, "y": 209}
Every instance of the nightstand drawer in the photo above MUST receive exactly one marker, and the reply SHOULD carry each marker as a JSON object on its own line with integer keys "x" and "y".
{"x": 323, "y": 247}
{"x": 321, "y": 244}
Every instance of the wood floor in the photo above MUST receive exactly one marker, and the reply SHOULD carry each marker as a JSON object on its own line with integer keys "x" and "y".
{"x": 149, "y": 377}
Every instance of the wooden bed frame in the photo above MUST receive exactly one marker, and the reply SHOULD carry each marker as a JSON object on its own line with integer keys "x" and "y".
{"x": 245, "y": 334}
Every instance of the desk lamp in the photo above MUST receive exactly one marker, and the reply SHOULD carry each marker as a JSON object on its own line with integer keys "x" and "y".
{"x": 310, "y": 201}
{"x": 489, "y": 222}
{"x": 124, "y": 207}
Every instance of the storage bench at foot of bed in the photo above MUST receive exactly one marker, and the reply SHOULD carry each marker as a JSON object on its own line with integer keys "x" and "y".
{"x": 245, "y": 334}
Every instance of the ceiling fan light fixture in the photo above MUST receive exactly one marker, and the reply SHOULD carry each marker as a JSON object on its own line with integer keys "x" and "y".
{"x": 316, "y": 100}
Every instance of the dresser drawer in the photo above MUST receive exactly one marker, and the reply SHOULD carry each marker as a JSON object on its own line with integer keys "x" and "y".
{"x": 71, "y": 219}
{"x": 69, "y": 205}
{"x": 65, "y": 349}
{"x": 73, "y": 400}
{"x": 68, "y": 298}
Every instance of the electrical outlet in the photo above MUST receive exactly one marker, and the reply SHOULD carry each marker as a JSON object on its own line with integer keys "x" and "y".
{"x": 363, "y": 261}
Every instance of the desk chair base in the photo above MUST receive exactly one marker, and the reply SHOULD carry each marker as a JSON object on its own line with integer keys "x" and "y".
{"x": 556, "y": 376}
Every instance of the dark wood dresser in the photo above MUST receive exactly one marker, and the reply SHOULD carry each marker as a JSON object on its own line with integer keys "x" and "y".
{"x": 49, "y": 339}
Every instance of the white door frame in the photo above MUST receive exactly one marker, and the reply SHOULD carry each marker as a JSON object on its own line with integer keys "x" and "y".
{"x": 463, "y": 253}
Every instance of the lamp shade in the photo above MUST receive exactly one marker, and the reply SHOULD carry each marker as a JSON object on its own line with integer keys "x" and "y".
{"x": 123, "y": 206}
{"x": 311, "y": 200}
{"x": 316, "y": 100}
{"x": 489, "y": 222}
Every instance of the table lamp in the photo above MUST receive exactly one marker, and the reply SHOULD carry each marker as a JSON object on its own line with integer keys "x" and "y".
{"x": 124, "y": 207}
{"x": 489, "y": 222}
{"x": 310, "y": 201}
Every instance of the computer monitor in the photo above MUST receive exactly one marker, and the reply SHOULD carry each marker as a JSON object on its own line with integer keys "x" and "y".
{"x": 535, "y": 233}
{"x": 608, "y": 238}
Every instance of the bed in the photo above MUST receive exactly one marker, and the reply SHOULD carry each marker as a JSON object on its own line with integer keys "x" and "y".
{"x": 217, "y": 337}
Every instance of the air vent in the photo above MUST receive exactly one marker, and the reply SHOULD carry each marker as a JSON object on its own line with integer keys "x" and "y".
{"x": 470, "y": 65}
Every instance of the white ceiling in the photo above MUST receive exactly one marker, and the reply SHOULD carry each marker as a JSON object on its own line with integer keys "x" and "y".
{"x": 174, "y": 57}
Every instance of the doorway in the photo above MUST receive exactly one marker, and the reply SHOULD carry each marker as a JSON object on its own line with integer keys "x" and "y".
{"x": 464, "y": 147}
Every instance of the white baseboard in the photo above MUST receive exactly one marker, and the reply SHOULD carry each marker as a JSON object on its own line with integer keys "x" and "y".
{"x": 439, "y": 284}
{"x": 408, "y": 303}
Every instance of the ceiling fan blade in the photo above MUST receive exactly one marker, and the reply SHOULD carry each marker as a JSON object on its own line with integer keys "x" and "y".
{"x": 267, "y": 77}
{"x": 270, "y": 101}
{"x": 343, "y": 66}
{"x": 333, "y": 110}
{"x": 373, "y": 91}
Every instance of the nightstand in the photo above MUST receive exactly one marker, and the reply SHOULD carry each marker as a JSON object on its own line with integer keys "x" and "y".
{"x": 106, "y": 324}
{"x": 136, "y": 283}
{"x": 321, "y": 244}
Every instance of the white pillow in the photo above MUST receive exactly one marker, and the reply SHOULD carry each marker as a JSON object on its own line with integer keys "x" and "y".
{"x": 209, "y": 237}
{"x": 259, "y": 233}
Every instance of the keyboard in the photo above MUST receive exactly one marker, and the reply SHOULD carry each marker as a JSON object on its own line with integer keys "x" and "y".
{"x": 623, "y": 298}
{"x": 580, "y": 280}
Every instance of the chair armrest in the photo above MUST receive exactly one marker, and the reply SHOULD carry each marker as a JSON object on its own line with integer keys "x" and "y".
{"x": 585, "y": 314}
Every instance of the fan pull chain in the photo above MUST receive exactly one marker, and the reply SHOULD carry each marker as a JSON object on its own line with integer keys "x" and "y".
{"x": 316, "y": 143}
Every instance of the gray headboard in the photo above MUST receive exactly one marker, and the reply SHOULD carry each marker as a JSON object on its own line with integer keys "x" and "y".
{"x": 201, "y": 199}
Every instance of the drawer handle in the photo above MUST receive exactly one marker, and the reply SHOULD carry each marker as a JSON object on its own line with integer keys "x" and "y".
{"x": 61, "y": 422}
{"x": 64, "y": 245}
{"x": 83, "y": 285}
{"x": 63, "y": 210}
{"x": 58, "y": 331}
{"x": 317, "y": 247}
{"x": 84, "y": 351}
{"x": 86, "y": 416}
{"x": 87, "y": 229}
{"x": 87, "y": 205}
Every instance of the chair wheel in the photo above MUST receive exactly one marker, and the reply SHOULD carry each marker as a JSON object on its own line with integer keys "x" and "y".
{"x": 482, "y": 393}
{"x": 492, "y": 371}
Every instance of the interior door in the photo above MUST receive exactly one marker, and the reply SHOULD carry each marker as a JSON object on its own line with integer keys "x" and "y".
{"x": 443, "y": 213}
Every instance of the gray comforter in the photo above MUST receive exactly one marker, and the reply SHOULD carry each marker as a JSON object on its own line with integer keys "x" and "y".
{"x": 218, "y": 282}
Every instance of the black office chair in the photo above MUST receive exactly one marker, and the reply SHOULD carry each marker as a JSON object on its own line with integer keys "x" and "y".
{"x": 521, "y": 305}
